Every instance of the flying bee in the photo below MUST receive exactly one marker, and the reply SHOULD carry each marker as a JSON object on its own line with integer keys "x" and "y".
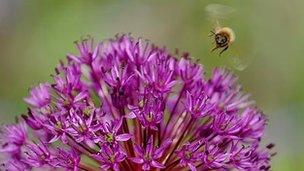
{"x": 223, "y": 38}
{"x": 238, "y": 56}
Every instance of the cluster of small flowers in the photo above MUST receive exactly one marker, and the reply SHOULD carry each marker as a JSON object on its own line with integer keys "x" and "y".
{"x": 126, "y": 104}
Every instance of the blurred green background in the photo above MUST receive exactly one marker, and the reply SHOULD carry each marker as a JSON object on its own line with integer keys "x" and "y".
{"x": 35, "y": 34}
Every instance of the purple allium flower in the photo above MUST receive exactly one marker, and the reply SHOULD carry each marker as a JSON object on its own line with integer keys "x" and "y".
{"x": 81, "y": 126}
{"x": 109, "y": 133}
{"x": 37, "y": 154}
{"x": 126, "y": 104}
{"x": 148, "y": 157}
{"x": 110, "y": 158}
{"x": 13, "y": 137}
{"x": 150, "y": 114}
{"x": 15, "y": 165}
{"x": 197, "y": 105}
{"x": 39, "y": 96}
{"x": 189, "y": 154}
{"x": 66, "y": 159}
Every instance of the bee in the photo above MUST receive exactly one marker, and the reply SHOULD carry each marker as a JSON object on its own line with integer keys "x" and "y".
{"x": 223, "y": 38}
{"x": 238, "y": 56}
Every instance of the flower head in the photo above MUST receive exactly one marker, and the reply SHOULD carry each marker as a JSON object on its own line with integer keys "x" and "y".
{"x": 126, "y": 104}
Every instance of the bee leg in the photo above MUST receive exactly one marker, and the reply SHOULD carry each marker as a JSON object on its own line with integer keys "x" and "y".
{"x": 216, "y": 47}
{"x": 224, "y": 49}
{"x": 211, "y": 34}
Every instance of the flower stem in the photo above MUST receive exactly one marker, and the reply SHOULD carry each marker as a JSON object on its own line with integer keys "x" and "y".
{"x": 172, "y": 165}
{"x": 173, "y": 110}
{"x": 187, "y": 127}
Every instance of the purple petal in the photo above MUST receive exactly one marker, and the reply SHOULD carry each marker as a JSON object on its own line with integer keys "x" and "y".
{"x": 193, "y": 168}
{"x": 146, "y": 166}
{"x": 157, "y": 164}
{"x": 55, "y": 138}
{"x": 159, "y": 152}
{"x": 130, "y": 115}
{"x": 115, "y": 167}
{"x": 73, "y": 57}
{"x": 120, "y": 157}
{"x": 80, "y": 96}
{"x": 117, "y": 125}
{"x": 30, "y": 101}
{"x": 105, "y": 167}
{"x": 123, "y": 137}
{"x": 138, "y": 150}
{"x": 154, "y": 128}
{"x": 149, "y": 148}
{"x": 137, "y": 160}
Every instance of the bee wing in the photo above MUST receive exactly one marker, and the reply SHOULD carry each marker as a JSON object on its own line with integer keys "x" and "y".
{"x": 239, "y": 63}
{"x": 237, "y": 57}
{"x": 218, "y": 11}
